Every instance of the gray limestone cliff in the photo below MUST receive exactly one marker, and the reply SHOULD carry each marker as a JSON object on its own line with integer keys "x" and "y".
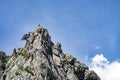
{"x": 41, "y": 59}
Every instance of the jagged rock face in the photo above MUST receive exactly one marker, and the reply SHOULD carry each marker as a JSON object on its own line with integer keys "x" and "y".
{"x": 41, "y": 59}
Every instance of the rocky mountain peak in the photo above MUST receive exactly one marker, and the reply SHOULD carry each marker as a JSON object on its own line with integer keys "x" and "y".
{"x": 38, "y": 39}
{"x": 41, "y": 59}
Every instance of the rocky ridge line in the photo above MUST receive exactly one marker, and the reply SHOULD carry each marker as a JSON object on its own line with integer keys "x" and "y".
{"x": 41, "y": 59}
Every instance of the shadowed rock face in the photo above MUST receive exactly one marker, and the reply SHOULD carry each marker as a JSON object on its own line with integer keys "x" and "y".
{"x": 41, "y": 59}
{"x": 3, "y": 61}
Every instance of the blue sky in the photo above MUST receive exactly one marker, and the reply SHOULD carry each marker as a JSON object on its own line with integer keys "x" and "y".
{"x": 84, "y": 27}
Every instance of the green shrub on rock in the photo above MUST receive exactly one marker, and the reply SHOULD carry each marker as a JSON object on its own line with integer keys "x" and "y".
{"x": 17, "y": 73}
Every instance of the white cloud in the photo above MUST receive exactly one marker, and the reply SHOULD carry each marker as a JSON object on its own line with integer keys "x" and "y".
{"x": 97, "y": 47}
{"x": 105, "y": 69}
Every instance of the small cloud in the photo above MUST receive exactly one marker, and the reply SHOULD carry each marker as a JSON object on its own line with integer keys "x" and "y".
{"x": 97, "y": 47}
{"x": 105, "y": 69}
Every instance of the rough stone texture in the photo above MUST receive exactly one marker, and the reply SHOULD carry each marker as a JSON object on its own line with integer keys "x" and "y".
{"x": 41, "y": 59}
{"x": 3, "y": 61}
